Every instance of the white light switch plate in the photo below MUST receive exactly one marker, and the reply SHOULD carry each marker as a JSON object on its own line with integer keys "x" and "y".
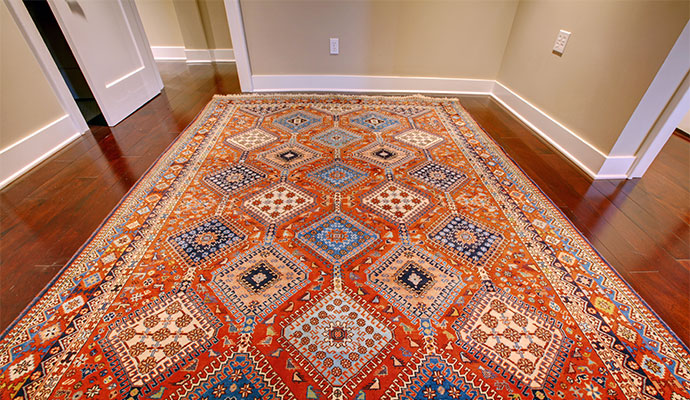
{"x": 561, "y": 41}
{"x": 335, "y": 46}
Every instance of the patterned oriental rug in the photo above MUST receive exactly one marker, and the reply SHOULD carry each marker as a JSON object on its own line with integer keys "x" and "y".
{"x": 338, "y": 247}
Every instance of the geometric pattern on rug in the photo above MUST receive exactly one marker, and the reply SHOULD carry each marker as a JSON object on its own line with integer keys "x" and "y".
{"x": 202, "y": 243}
{"x": 397, "y": 202}
{"x": 264, "y": 110}
{"x": 524, "y": 341}
{"x": 419, "y": 139}
{"x": 259, "y": 281}
{"x": 297, "y": 121}
{"x": 336, "y": 109}
{"x": 418, "y": 284}
{"x": 407, "y": 111}
{"x": 336, "y": 138}
{"x": 440, "y": 176}
{"x": 234, "y": 178}
{"x": 374, "y": 121}
{"x": 337, "y": 177}
{"x": 431, "y": 376}
{"x": 278, "y": 203}
{"x": 289, "y": 156}
{"x": 161, "y": 335}
{"x": 337, "y": 336}
{"x": 234, "y": 376}
{"x": 338, "y": 247}
{"x": 463, "y": 237}
{"x": 384, "y": 155}
{"x": 337, "y": 237}
{"x": 251, "y": 140}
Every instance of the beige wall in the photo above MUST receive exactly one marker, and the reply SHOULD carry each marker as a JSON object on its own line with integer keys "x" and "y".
{"x": 191, "y": 24}
{"x": 160, "y": 22}
{"x": 435, "y": 38}
{"x": 614, "y": 52}
{"x": 215, "y": 22}
{"x": 194, "y": 24}
{"x": 27, "y": 102}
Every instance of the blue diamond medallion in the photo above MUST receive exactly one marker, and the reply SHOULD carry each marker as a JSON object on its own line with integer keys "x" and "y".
{"x": 466, "y": 238}
{"x": 439, "y": 176}
{"x": 337, "y": 237}
{"x": 336, "y": 138}
{"x": 206, "y": 241}
{"x": 337, "y": 176}
{"x": 233, "y": 178}
{"x": 297, "y": 121}
{"x": 375, "y": 121}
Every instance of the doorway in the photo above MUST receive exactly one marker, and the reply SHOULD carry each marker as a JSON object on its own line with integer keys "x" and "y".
{"x": 59, "y": 49}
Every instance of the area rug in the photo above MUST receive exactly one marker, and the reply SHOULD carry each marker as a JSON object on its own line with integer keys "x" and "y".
{"x": 338, "y": 247}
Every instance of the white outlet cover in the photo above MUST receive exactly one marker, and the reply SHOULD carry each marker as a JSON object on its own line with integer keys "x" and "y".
{"x": 334, "y": 46}
{"x": 561, "y": 41}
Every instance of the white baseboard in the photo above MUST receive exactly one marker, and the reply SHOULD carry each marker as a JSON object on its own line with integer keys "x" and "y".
{"x": 209, "y": 55}
{"x": 168, "y": 53}
{"x": 366, "y": 83}
{"x": 197, "y": 55}
{"x": 590, "y": 159}
{"x": 30, "y": 151}
{"x": 180, "y": 53}
{"x": 223, "y": 55}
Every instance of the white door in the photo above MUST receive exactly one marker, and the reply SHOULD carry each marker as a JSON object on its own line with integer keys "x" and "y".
{"x": 109, "y": 43}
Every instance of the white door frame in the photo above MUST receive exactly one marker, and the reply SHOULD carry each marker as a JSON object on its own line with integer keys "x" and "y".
{"x": 662, "y": 130}
{"x": 45, "y": 61}
{"x": 239, "y": 44}
{"x": 659, "y": 111}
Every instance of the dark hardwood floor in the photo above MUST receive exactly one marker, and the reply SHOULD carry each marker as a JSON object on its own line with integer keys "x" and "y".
{"x": 642, "y": 227}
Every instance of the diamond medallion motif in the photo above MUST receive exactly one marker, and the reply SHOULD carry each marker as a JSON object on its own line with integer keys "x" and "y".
{"x": 521, "y": 339}
{"x": 336, "y": 109}
{"x": 278, "y": 203}
{"x": 234, "y": 376}
{"x": 414, "y": 277}
{"x": 439, "y": 176}
{"x": 259, "y": 277}
{"x": 337, "y": 336}
{"x": 165, "y": 333}
{"x": 415, "y": 282}
{"x": 336, "y": 138}
{"x": 384, "y": 155}
{"x": 206, "y": 241}
{"x": 419, "y": 139}
{"x": 257, "y": 282}
{"x": 289, "y": 156}
{"x": 251, "y": 139}
{"x": 438, "y": 377}
{"x": 297, "y": 121}
{"x": 337, "y": 176}
{"x": 337, "y": 237}
{"x": 264, "y": 110}
{"x": 466, "y": 238}
{"x": 408, "y": 111}
{"x": 396, "y": 202}
{"x": 374, "y": 121}
{"x": 234, "y": 178}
